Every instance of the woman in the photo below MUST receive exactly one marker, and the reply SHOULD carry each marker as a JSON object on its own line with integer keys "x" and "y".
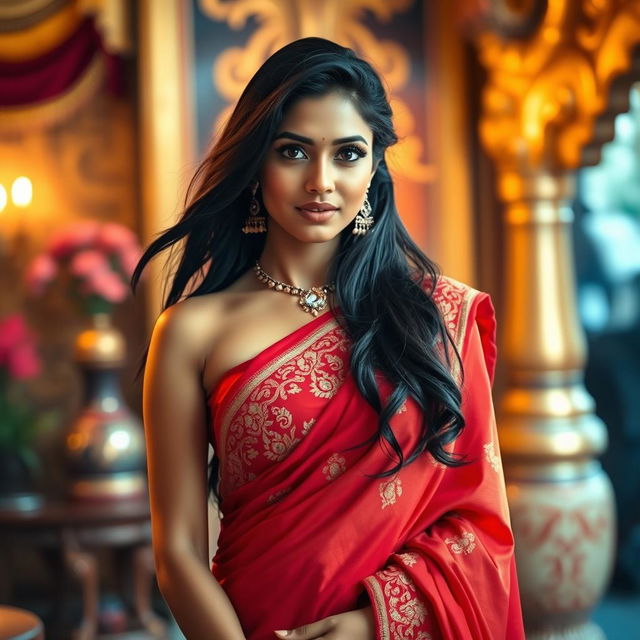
{"x": 344, "y": 386}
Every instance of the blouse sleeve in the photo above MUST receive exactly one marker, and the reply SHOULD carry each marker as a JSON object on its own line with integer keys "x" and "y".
{"x": 457, "y": 577}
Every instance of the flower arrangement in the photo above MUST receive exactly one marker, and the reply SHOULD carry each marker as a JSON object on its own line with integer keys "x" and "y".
{"x": 99, "y": 259}
{"x": 19, "y": 362}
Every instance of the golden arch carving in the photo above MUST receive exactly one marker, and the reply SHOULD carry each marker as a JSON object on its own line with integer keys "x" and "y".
{"x": 543, "y": 94}
{"x": 281, "y": 21}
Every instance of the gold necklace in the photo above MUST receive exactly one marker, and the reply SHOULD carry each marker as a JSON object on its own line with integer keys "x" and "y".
{"x": 311, "y": 300}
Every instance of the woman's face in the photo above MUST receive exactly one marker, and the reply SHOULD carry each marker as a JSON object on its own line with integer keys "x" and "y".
{"x": 322, "y": 154}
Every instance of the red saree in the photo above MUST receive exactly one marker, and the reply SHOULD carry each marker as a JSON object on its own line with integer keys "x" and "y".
{"x": 305, "y": 534}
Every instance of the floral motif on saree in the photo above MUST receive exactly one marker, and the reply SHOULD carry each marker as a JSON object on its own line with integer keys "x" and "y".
{"x": 336, "y": 465}
{"x": 262, "y": 428}
{"x": 464, "y": 543}
{"x": 491, "y": 456}
{"x": 390, "y": 491}
{"x": 406, "y": 613}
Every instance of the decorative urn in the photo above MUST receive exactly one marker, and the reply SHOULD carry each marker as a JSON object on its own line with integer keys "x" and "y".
{"x": 104, "y": 453}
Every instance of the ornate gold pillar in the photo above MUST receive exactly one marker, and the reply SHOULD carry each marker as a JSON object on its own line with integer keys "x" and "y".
{"x": 550, "y": 71}
{"x": 165, "y": 126}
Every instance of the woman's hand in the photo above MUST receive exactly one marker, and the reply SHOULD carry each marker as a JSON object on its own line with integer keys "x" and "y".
{"x": 352, "y": 625}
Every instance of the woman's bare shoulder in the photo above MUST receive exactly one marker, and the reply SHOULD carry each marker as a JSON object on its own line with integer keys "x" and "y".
{"x": 197, "y": 321}
{"x": 194, "y": 321}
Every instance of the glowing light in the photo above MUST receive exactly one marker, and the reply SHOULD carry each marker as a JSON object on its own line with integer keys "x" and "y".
{"x": 119, "y": 439}
{"x": 21, "y": 191}
{"x": 109, "y": 404}
{"x": 3, "y": 198}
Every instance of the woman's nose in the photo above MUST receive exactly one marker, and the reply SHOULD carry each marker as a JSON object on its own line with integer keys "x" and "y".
{"x": 320, "y": 177}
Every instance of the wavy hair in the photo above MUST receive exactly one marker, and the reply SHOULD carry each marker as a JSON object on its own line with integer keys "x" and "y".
{"x": 387, "y": 311}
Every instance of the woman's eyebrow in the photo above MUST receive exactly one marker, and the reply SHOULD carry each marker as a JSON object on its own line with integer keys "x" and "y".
{"x": 309, "y": 141}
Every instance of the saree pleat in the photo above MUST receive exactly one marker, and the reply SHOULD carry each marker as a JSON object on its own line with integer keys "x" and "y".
{"x": 306, "y": 533}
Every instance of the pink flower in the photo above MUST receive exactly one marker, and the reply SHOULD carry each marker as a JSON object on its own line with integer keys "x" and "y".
{"x": 107, "y": 285}
{"x": 76, "y": 236}
{"x": 98, "y": 255}
{"x": 40, "y": 273}
{"x": 17, "y": 348}
{"x": 88, "y": 262}
{"x": 13, "y": 330}
{"x": 23, "y": 362}
{"x": 116, "y": 237}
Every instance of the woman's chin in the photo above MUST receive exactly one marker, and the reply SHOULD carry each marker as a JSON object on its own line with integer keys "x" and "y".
{"x": 314, "y": 233}
{"x": 318, "y": 236}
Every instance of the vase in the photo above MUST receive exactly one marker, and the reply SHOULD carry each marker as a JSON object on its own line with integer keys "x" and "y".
{"x": 104, "y": 452}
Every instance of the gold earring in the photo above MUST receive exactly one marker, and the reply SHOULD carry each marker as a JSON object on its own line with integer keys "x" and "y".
{"x": 255, "y": 223}
{"x": 364, "y": 219}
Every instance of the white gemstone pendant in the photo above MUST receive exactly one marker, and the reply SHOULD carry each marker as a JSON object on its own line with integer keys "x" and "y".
{"x": 313, "y": 300}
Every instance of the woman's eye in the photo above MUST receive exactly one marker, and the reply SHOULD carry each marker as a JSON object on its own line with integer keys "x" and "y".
{"x": 291, "y": 152}
{"x": 351, "y": 154}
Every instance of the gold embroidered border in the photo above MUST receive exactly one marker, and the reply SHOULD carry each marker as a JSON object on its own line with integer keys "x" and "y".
{"x": 464, "y": 317}
{"x": 468, "y": 295}
{"x": 380, "y": 607}
{"x": 266, "y": 371}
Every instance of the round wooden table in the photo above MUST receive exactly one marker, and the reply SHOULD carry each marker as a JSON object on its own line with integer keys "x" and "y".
{"x": 71, "y": 533}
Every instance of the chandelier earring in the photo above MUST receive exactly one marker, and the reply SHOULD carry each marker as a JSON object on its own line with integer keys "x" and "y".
{"x": 364, "y": 219}
{"x": 255, "y": 223}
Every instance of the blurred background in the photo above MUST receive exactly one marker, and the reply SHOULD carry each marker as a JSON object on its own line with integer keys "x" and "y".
{"x": 517, "y": 171}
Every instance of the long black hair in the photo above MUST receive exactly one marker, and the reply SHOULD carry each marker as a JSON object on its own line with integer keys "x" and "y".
{"x": 386, "y": 310}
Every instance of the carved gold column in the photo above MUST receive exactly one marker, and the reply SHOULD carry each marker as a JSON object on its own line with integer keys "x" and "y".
{"x": 166, "y": 134}
{"x": 550, "y": 69}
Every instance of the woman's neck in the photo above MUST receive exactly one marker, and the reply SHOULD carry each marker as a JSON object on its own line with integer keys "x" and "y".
{"x": 303, "y": 265}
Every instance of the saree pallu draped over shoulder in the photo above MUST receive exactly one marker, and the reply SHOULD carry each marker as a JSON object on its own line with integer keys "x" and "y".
{"x": 306, "y": 534}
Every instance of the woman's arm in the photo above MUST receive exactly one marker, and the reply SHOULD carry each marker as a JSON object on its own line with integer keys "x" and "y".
{"x": 177, "y": 447}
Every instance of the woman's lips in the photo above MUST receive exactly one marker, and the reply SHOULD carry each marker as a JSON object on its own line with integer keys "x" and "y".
{"x": 316, "y": 216}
